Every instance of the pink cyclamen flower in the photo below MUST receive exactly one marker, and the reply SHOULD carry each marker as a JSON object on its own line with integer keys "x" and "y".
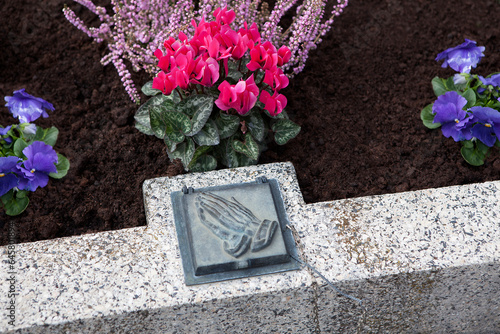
{"x": 284, "y": 55}
{"x": 241, "y": 97}
{"x": 252, "y": 33}
{"x": 273, "y": 103}
{"x": 276, "y": 79}
{"x": 224, "y": 15}
{"x": 263, "y": 56}
{"x": 165, "y": 83}
{"x": 207, "y": 71}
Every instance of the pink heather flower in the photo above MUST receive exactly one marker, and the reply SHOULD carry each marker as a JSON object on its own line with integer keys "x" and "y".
{"x": 277, "y": 80}
{"x": 241, "y": 96}
{"x": 274, "y": 104}
{"x": 263, "y": 56}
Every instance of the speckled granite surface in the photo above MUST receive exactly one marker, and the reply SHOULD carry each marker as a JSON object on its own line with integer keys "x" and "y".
{"x": 425, "y": 261}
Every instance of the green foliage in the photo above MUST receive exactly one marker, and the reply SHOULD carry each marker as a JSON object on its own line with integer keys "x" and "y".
{"x": 15, "y": 202}
{"x": 474, "y": 152}
{"x": 427, "y": 117}
{"x": 62, "y": 167}
{"x": 202, "y": 136}
{"x": 284, "y": 130}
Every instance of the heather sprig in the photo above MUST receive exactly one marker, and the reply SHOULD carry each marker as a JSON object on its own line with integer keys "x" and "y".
{"x": 467, "y": 107}
{"x": 27, "y": 157}
{"x": 138, "y": 27}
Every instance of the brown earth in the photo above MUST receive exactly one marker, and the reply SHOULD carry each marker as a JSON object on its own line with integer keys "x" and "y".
{"x": 358, "y": 102}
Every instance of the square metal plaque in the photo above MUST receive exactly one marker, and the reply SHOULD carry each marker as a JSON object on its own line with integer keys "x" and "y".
{"x": 233, "y": 231}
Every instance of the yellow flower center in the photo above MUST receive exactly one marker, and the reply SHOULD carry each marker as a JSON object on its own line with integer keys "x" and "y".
{"x": 2, "y": 174}
{"x": 32, "y": 171}
{"x": 457, "y": 121}
{"x": 487, "y": 125}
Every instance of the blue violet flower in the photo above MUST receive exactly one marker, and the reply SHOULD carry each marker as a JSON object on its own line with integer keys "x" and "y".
{"x": 463, "y": 57}
{"x": 8, "y": 176}
{"x": 27, "y": 107}
{"x": 4, "y": 131}
{"x": 494, "y": 81}
{"x": 41, "y": 160}
{"x": 487, "y": 129}
{"x": 448, "y": 110}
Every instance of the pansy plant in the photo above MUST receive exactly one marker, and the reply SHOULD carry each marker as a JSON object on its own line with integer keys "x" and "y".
{"x": 217, "y": 98}
{"x": 27, "y": 157}
{"x": 467, "y": 105}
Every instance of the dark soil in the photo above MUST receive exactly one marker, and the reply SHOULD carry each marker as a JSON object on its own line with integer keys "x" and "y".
{"x": 358, "y": 102}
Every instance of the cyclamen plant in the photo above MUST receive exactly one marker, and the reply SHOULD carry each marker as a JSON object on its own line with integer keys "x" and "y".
{"x": 27, "y": 157}
{"x": 220, "y": 98}
{"x": 138, "y": 27}
{"x": 467, "y": 105}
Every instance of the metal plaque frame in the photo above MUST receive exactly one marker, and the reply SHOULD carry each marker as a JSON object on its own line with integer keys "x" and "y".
{"x": 205, "y": 260}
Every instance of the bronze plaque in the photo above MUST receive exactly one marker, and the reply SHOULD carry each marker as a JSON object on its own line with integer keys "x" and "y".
{"x": 232, "y": 231}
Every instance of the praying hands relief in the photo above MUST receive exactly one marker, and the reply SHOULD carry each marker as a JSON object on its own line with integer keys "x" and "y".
{"x": 234, "y": 224}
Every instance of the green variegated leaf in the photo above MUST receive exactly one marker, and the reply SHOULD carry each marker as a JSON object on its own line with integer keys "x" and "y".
{"x": 427, "y": 117}
{"x": 200, "y": 150}
{"x": 148, "y": 89}
{"x": 256, "y": 126}
{"x": 171, "y": 145}
{"x": 171, "y": 124}
{"x": 142, "y": 118}
{"x": 227, "y": 156}
{"x": 284, "y": 130}
{"x": 248, "y": 147}
{"x": 157, "y": 122}
{"x": 191, "y": 103}
{"x": 204, "y": 163}
{"x": 438, "y": 86}
{"x": 208, "y": 136}
{"x": 227, "y": 125}
{"x": 201, "y": 161}
{"x": 178, "y": 124}
{"x": 198, "y": 107}
{"x": 184, "y": 151}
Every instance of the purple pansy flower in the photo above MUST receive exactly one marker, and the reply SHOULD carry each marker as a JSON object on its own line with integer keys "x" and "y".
{"x": 449, "y": 112}
{"x": 463, "y": 57}
{"x": 26, "y": 107}
{"x": 8, "y": 177}
{"x": 3, "y": 132}
{"x": 487, "y": 129}
{"x": 41, "y": 160}
{"x": 494, "y": 80}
